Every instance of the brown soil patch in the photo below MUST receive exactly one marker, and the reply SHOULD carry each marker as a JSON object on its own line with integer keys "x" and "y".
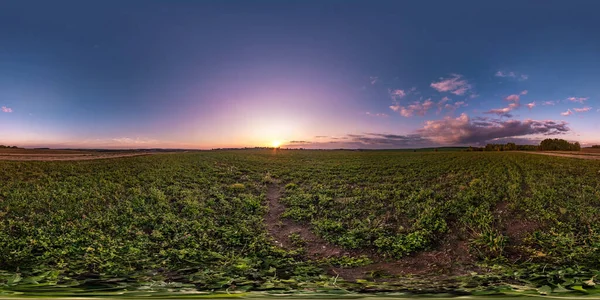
{"x": 451, "y": 256}
{"x": 61, "y": 155}
{"x": 592, "y": 156}
{"x": 280, "y": 229}
{"x": 516, "y": 227}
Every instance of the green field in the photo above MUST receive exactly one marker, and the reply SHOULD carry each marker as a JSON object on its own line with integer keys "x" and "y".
{"x": 458, "y": 222}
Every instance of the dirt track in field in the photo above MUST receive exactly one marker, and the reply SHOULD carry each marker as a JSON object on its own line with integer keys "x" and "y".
{"x": 63, "y": 156}
{"x": 450, "y": 257}
{"x": 585, "y": 155}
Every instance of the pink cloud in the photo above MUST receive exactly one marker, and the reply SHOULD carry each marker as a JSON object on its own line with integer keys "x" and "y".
{"x": 455, "y": 85}
{"x": 578, "y": 99}
{"x": 6, "y": 109}
{"x": 531, "y": 105}
{"x": 524, "y": 92}
{"x": 397, "y": 93}
{"x": 380, "y": 115}
{"x": 463, "y": 130}
{"x": 505, "y": 111}
{"x": 567, "y": 113}
{"x": 583, "y": 109}
{"x": 513, "y": 98}
{"x": 549, "y": 103}
{"x": 417, "y": 108}
{"x": 441, "y": 103}
{"x": 455, "y": 105}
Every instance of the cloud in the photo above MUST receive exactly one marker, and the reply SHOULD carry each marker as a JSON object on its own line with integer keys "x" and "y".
{"x": 531, "y": 105}
{"x": 578, "y": 99}
{"x": 381, "y": 115}
{"x": 512, "y": 75}
{"x": 462, "y": 130}
{"x": 455, "y": 85}
{"x": 549, "y": 103}
{"x": 373, "y": 79}
{"x": 503, "y": 74}
{"x": 441, "y": 103}
{"x": 567, "y": 113}
{"x": 417, "y": 108}
{"x": 6, "y": 109}
{"x": 398, "y": 93}
{"x": 524, "y": 92}
{"x": 455, "y": 105}
{"x": 583, "y": 109}
{"x": 299, "y": 142}
{"x": 513, "y": 98}
{"x": 136, "y": 141}
{"x": 388, "y": 139}
{"x": 505, "y": 111}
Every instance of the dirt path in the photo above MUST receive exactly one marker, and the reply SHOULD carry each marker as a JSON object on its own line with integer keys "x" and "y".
{"x": 63, "y": 157}
{"x": 580, "y": 156}
{"x": 281, "y": 228}
{"x": 451, "y": 256}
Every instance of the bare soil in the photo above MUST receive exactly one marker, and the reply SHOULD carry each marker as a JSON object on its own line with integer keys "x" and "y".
{"x": 451, "y": 257}
{"x": 61, "y": 155}
{"x": 584, "y": 155}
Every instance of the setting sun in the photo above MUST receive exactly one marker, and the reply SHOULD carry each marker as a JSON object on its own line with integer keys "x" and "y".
{"x": 276, "y": 144}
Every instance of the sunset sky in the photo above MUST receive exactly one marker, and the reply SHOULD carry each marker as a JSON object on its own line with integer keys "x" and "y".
{"x": 314, "y": 74}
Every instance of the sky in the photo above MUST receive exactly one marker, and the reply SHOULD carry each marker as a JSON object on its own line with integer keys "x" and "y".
{"x": 311, "y": 74}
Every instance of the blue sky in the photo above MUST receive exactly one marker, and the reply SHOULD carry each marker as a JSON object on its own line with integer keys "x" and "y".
{"x": 389, "y": 74}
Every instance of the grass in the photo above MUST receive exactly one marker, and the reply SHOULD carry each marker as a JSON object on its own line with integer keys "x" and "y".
{"x": 194, "y": 221}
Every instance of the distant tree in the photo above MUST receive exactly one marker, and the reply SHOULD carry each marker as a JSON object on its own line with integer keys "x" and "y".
{"x": 559, "y": 145}
{"x": 595, "y": 146}
{"x": 507, "y": 147}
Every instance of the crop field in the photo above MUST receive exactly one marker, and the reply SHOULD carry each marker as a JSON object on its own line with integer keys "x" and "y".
{"x": 301, "y": 221}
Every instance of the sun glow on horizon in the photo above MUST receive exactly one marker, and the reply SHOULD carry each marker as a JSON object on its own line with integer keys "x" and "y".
{"x": 276, "y": 143}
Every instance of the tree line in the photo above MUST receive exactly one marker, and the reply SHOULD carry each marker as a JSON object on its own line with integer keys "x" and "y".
{"x": 545, "y": 145}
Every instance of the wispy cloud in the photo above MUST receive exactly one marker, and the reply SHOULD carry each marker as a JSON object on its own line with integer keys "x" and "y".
{"x": 136, "y": 141}
{"x": 454, "y": 106}
{"x": 578, "y": 99}
{"x": 583, "y": 109}
{"x": 567, "y": 113}
{"x": 397, "y": 93}
{"x": 373, "y": 79}
{"x": 462, "y": 130}
{"x": 418, "y": 108}
{"x": 442, "y": 103}
{"x": 524, "y": 92}
{"x": 380, "y": 115}
{"x": 454, "y": 84}
{"x": 549, "y": 103}
{"x": 6, "y": 109}
{"x": 512, "y": 75}
{"x": 531, "y": 105}
{"x": 505, "y": 111}
{"x": 513, "y": 98}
